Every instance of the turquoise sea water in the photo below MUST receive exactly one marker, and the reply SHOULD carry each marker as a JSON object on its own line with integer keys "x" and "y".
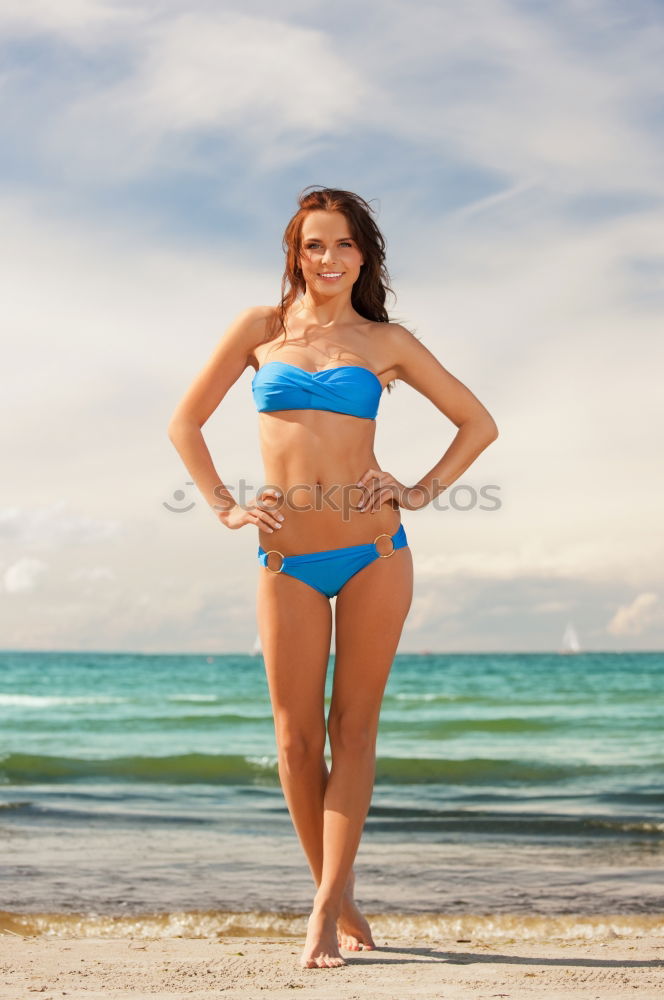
{"x": 506, "y": 784}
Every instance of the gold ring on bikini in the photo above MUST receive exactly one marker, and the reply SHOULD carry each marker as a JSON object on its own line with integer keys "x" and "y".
{"x": 269, "y": 568}
{"x": 387, "y": 555}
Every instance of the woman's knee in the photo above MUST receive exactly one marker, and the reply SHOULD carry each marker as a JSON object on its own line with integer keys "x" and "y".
{"x": 300, "y": 745}
{"x": 351, "y": 734}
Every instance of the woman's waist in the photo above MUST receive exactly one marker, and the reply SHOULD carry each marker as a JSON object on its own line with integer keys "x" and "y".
{"x": 328, "y": 526}
{"x": 302, "y": 493}
{"x": 323, "y": 464}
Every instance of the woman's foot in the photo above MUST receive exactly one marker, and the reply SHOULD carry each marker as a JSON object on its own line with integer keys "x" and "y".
{"x": 321, "y": 948}
{"x": 353, "y": 930}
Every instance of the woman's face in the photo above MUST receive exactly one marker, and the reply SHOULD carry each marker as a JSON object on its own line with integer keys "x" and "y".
{"x": 330, "y": 258}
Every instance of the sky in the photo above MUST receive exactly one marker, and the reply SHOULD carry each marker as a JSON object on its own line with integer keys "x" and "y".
{"x": 151, "y": 156}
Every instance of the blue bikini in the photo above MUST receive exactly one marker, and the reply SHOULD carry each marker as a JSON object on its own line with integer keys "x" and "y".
{"x": 349, "y": 389}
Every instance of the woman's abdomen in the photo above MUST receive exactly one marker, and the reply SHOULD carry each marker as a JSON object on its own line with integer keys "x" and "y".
{"x": 327, "y": 521}
{"x": 317, "y": 476}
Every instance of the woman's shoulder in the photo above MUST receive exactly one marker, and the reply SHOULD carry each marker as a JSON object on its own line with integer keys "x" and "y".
{"x": 386, "y": 345}
{"x": 395, "y": 348}
{"x": 255, "y": 316}
{"x": 255, "y": 324}
{"x": 396, "y": 331}
{"x": 391, "y": 337}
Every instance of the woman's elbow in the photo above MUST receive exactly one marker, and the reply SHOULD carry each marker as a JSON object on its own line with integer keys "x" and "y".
{"x": 178, "y": 425}
{"x": 491, "y": 430}
{"x": 172, "y": 428}
{"x": 484, "y": 430}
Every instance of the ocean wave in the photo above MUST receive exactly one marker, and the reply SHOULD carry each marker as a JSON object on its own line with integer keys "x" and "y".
{"x": 441, "y": 728}
{"x": 425, "y": 696}
{"x": 47, "y": 701}
{"x": 199, "y": 720}
{"x": 518, "y": 823}
{"x": 19, "y": 768}
{"x": 386, "y": 926}
{"x": 194, "y": 697}
{"x": 396, "y": 820}
{"x": 188, "y": 768}
{"x": 626, "y": 826}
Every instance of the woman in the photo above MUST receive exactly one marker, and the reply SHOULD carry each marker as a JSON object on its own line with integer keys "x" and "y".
{"x": 329, "y": 523}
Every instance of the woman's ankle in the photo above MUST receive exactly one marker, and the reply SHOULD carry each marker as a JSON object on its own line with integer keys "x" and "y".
{"x": 326, "y": 903}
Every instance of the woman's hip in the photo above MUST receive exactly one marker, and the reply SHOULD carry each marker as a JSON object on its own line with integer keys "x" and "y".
{"x": 329, "y": 570}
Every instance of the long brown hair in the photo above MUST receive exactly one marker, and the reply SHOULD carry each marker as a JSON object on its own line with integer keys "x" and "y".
{"x": 371, "y": 288}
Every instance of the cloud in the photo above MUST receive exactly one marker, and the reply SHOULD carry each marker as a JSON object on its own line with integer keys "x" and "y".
{"x": 93, "y": 574}
{"x": 635, "y": 617}
{"x": 23, "y": 576}
{"x": 524, "y": 613}
{"x": 53, "y": 526}
{"x": 79, "y": 21}
{"x": 549, "y": 607}
{"x": 242, "y": 78}
{"x": 538, "y": 537}
{"x": 525, "y": 90}
{"x": 525, "y": 94}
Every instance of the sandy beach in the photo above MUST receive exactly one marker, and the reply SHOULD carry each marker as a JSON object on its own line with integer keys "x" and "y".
{"x": 605, "y": 967}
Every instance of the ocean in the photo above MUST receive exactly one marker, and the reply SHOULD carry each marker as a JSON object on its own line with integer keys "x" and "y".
{"x": 139, "y": 794}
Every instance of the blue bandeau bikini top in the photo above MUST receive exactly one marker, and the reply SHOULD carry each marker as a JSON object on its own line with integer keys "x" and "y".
{"x": 350, "y": 389}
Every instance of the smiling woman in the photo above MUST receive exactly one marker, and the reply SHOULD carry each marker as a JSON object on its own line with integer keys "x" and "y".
{"x": 322, "y": 358}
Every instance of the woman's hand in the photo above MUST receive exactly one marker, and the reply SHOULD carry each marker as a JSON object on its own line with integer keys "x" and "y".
{"x": 380, "y": 487}
{"x": 256, "y": 512}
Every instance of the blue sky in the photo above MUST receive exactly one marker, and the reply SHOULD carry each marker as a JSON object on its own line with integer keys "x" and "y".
{"x": 152, "y": 154}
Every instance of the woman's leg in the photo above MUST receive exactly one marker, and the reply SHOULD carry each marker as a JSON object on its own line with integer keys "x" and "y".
{"x": 295, "y": 625}
{"x": 370, "y": 612}
{"x": 295, "y": 628}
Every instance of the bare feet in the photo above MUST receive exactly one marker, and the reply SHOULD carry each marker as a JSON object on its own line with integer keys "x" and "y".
{"x": 353, "y": 930}
{"x": 321, "y": 949}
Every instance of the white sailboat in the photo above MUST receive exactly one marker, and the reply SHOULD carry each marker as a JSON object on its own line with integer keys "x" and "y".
{"x": 570, "y": 640}
{"x": 256, "y": 648}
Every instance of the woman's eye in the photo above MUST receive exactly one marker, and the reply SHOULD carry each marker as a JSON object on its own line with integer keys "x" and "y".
{"x": 315, "y": 246}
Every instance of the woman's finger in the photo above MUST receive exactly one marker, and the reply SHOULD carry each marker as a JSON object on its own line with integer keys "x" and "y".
{"x": 370, "y": 500}
{"x": 379, "y": 497}
{"x": 369, "y": 474}
{"x": 268, "y": 519}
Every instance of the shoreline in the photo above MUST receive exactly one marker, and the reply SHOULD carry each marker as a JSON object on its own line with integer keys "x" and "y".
{"x": 265, "y": 924}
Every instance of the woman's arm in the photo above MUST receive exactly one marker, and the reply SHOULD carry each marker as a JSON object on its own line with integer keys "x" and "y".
{"x": 412, "y": 362}
{"x": 228, "y": 361}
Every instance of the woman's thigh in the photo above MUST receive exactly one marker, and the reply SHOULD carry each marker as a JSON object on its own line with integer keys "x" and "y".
{"x": 370, "y": 613}
{"x": 295, "y": 628}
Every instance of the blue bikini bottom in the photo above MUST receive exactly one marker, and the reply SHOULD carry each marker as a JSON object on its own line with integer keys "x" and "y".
{"x": 329, "y": 570}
